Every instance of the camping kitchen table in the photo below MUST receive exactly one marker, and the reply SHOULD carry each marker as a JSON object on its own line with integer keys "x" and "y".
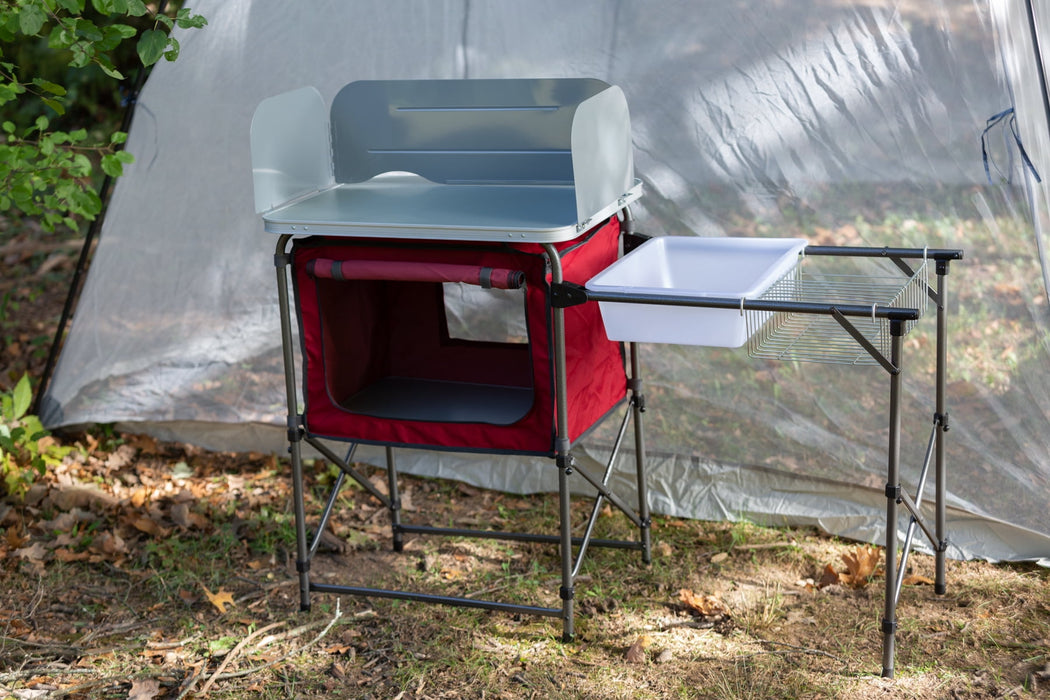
{"x": 518, "y": 184}
{"x": 404, "y": 188}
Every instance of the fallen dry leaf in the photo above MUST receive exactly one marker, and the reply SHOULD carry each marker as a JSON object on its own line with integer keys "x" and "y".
{"x": 184, "y": 517}
{"x": 15, "y": 539}
{"x": 109, "y": 543}
{"x": 145, "y": 444}
{"x": 636, "y": 652}
{"x": 34, "y": 553}
{"x": 918, "y": 580}
{"x": 150, "y": 527}
{"x": 703, "y": 605}
{"x": 144, "y": 689}
{"x": 220, "y": 599}
{"x": 450, "y": 574}
{"x": 861, "y": 564}
{"x": 828, "y": 577}
{"x": 67, "y": 555}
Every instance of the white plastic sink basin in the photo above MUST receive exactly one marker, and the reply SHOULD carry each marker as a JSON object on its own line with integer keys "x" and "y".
{"x": 737, "y": 268}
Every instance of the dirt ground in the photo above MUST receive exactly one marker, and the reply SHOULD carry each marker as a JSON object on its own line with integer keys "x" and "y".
{"x": 140, "y": 569}
{"x": 147, "y": 570}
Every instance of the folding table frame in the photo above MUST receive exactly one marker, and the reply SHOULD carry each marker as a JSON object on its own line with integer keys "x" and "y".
{"x": 537, "y": 162}
{"x": 798, "y": 302}
{"x": 571, "y": 562}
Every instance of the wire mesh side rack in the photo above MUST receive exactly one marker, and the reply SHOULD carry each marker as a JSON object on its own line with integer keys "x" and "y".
{"x": 809, "y": 337}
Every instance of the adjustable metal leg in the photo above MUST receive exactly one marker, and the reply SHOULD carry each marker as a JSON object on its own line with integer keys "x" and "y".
{"x": 567, "y": 590}
{"x": 638, "y": 407}
{"x": 940, "y": 580}
{"x": 395, "y": 501}
{"x": 302, "y": 552}
{"x": 562, "y": 451}
{"x": 893, "y": 489}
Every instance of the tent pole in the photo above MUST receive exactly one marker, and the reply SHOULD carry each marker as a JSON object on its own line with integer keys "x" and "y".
{"x": 1033, "y": 188}
{"x": 73, "y": 294}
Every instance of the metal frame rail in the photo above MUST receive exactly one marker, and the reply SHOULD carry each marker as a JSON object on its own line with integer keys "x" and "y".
{"x": 897, "y": 317}
{"x": 307, "y": 545}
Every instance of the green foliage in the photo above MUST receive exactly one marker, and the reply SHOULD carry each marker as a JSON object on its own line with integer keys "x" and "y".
{"x": 26, "y": 448}
{"x": 46, "y": 49}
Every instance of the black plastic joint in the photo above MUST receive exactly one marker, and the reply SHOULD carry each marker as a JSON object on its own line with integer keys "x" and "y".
{"x": 634, "y": 385}
{"x": 565, "y": 294}
{"x": 564, "y": 462}
{"x": 942, "y": 419}
{"x": 647, "y": 523}
{"x": 282, "y": 259}
{"x": 567, "y": 593}
{"x": 295, "y": 429}
{"x": 302, "y": 566}
{"x": 893, "y": 491}
{"x": 889, "y": 626}
{"x": 942, "y": 267}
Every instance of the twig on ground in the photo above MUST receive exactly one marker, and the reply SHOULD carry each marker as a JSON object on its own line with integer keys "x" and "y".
{"x": 41, "y": 671}
{"x": 493, "y": 589}
{"x": 255, "y": 669}
{"x": 233, "y": 654}
{"x": 82, "y": 687}
{"x": 797, "y": 649}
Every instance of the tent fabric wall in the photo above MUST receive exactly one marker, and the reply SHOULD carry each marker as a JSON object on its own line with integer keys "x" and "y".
{"x": 850, "y": 123}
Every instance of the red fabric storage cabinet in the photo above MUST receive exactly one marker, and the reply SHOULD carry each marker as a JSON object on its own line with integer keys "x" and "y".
{"x": 380, "y": 365}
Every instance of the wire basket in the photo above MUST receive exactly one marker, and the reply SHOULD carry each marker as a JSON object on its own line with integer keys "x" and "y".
{"x": 817, "y": 337}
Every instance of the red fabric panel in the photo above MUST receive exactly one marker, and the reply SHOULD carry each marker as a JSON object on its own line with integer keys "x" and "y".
{"x": 354, "y": 332}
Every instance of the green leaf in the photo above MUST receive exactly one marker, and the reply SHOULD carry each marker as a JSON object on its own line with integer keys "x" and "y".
{"x": 108, "y": 68}
{"x": 32, "y": 18}
{"x": 118, "y": 137}
{"x": 124, "y": 31}
{"x": 172, "y": 53}
{"x": 137, "y": 8}
{"x": 61, "y": 37}
{"x": 112, "y": 166}
{"x": 88, "y": 30}
{"x": 151, "y": 46}
{"x": 48, "y": 86}
{"x": 23, "y": 396}
{"x": 72, "y": 6}
{"x": 59, "y": 108}
{"x": 82, "y": 54}
{"x": 187, "y": 20}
